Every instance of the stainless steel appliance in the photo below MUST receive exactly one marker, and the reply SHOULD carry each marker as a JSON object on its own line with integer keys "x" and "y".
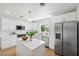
{"x": 66, "y": 38}
{"x": 19, "y": 27}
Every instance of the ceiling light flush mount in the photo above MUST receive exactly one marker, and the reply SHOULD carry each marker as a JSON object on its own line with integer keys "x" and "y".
{"x": 29, "y": 11}
{"x": 50, "y": 12}
{"x": 8, "y": 12}
{"x": 21, "y": 16}
{"x": 30, "y": 14}
{"x": 42, "y": 4}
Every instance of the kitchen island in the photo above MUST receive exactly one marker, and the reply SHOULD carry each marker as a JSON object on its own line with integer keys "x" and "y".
{"x": 30, "y": 48}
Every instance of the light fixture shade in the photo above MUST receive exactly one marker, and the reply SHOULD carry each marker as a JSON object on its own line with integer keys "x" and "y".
{"x": 8, "y": 12}
{"x": 42, "y": 4}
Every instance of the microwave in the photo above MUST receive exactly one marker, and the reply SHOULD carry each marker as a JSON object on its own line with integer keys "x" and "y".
{"x": 19, "y": 27}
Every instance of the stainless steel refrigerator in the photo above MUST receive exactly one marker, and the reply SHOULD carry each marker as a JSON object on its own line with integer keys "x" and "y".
{"x": 66, "y": 38}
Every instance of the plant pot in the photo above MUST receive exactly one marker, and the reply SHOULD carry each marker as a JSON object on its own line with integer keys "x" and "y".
{"x": 30, "y": 38}
{"x": 24, "y": 38}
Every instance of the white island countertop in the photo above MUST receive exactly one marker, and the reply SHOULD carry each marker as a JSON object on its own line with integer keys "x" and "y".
{"x": 33, "y": 44}
{"x": 30, "y": 48}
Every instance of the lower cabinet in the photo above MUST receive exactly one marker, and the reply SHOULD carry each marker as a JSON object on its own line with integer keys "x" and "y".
{"x": 7, "y": 40}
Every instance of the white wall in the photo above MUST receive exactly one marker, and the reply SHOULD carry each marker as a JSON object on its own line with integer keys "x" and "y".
{"x": 51, "y": 38}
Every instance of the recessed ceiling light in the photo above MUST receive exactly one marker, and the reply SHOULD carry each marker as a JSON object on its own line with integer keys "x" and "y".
{"x": 8, "y": 12}
{"x": 21, "y": 16}
{"x": 50, "y": 11}
{"x": 29, "y": 11}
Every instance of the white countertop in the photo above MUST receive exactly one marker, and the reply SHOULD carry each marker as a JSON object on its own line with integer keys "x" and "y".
{"x": 33, "y": 44}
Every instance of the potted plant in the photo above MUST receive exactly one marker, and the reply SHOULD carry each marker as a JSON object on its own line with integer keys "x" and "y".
{"x": 30, "y": 34}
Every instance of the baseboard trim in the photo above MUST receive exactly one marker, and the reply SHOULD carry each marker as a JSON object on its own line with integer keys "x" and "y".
{"x": 8, "y": 47}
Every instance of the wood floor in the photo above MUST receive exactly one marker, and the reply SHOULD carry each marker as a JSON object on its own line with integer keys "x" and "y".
{"x": 12, "y": 52}
{"x": 8, "y": 52}
{"x": 49, "y": 52}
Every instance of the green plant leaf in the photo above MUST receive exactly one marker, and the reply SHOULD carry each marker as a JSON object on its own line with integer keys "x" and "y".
{"x": 31, "y": 33}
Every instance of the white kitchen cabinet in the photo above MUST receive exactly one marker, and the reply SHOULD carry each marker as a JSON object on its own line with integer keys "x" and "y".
{"x": 70, "y": 16}
{"x": 7, "y": 40}
{"x": 57, "y": 19}
{"x": 8, "y": 24}
{"x": 6, "y": 27}
{"x": 65, "y": 17}
{"x": 28, "y": 26}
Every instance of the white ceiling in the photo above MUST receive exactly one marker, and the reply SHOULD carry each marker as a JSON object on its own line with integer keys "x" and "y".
{"x": 21, "y": 9}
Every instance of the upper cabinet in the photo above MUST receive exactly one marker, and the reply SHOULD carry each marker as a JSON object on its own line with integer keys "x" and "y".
{"x": 65, "y": 17}
{"x": 57, "y": 19}
{"x": 10, "y": 24}
{"x": 77, "y": 12}
{"x": 72, "y": 16}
